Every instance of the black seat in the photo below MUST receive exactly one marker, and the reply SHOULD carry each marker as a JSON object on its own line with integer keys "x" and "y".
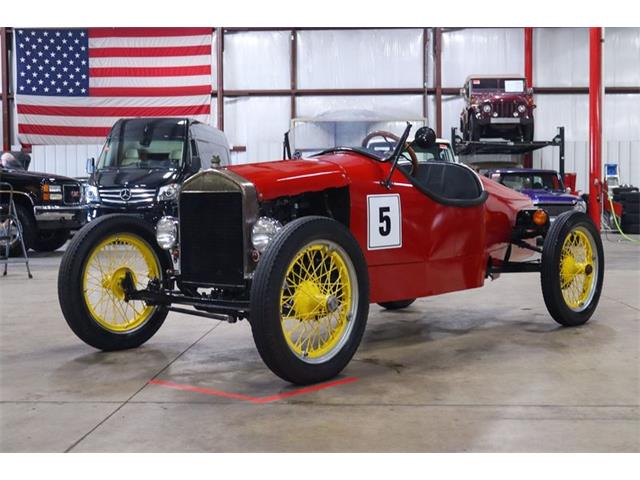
{"x": 448, "y": 183}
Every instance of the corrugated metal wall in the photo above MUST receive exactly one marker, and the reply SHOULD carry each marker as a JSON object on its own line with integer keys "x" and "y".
{"x": 393, "y": 58}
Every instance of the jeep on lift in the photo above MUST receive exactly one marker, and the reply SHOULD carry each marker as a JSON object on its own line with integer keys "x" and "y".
{"x": 497, "y": 106}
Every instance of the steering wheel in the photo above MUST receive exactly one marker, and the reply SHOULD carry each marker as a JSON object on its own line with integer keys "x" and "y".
{"x": 387, "y": 135}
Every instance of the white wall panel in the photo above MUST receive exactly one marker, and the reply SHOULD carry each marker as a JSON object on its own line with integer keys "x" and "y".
{"x": 570, "y": 111}
{"x": 257, "y": 60}
{"x": 621, "y": 116}
{"x": 387, "y": 106}
{"x": 360, "y": 59}
{"x": 67, "y": 160}
{"x": 481, "y": 51}
{"x": 259, "y": 124}
{"x": 622, "y": 57}
{"x": 561, "y": 57}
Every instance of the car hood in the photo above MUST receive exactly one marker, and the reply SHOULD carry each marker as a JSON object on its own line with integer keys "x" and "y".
{"x": 134, "y": 177}
{"x": 292, "y": 177}
{"x": 546, "y": 196}
{"x": 496, "y": 97}
{"x": 26, "y": 174}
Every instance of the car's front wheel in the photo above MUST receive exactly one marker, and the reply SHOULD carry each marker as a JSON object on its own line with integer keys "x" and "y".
{"x": 50, "y": 240}
{"x": 310, "y": 300}
{"x": 90, "y": 289}
{"x": 572, "y": 268}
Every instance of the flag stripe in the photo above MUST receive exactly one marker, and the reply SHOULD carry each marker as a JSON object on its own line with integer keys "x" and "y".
{"x": 149, "y": 91}
{"x": 178, "y": 111}
{"x": 150, "y": 61}
{"x": 36, "y": 139}
{"x": 150, "y": 71}
{"x": 116, "y": 101}
{"x": 105, "y": 42}
{"x": 70, "y": 121}
{"x": 148, "y": 32}
{"x": 149, "y": 81}
{"x": 64, "y": 131}
{"x": 150, "y": 51}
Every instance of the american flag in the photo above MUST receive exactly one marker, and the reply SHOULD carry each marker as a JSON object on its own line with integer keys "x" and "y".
{"x": 73, "y": 84}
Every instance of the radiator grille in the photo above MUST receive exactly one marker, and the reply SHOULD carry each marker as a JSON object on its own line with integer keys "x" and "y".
{"x": 122, "y": 196}
{"x": 505, "y": 109}
{"x": 211, "y": 238}
{"x": 555, "y": 210}
{"x": 71, "y": 194}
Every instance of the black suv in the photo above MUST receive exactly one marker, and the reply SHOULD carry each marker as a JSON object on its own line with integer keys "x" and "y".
{"x": 48, "y": 206}
{"x": 145, "y": 160}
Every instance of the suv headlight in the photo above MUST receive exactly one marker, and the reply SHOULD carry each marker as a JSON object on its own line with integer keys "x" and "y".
{"x": 167, "y": 232}
{"x": 168, "y": 192}
{"x": 263, "y": 232}
{"x": 91, "y": 194}
{"x": 522, "y": 108}
{"x": 580, "y": 206}
{"x": 486, "y": 108}
{"x": 51, "y": 192}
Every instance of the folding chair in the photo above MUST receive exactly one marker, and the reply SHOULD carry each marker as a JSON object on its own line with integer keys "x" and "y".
{"x": 10, "y": 228}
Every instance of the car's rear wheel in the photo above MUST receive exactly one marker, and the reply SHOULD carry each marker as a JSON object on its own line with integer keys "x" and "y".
{"x": 90, "y": 282}
{"x": 310, "y": 300}
{"x": 397, "y": 305}
{"x": 572, "y": 268}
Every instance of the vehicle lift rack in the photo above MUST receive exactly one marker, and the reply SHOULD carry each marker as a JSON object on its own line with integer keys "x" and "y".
{"x": 502, "y": 147}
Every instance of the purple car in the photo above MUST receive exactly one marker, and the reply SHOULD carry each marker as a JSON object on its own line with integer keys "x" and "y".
{"x": 544, "y": 187}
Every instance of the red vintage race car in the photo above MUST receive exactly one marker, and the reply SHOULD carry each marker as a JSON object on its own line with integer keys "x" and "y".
{"x": 300, "y": 248}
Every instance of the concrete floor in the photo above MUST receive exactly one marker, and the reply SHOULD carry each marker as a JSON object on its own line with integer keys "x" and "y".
{"x": 481, "y": 370}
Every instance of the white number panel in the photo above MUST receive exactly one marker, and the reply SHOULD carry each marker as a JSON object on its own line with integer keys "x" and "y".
{"x": 384, "y": 221}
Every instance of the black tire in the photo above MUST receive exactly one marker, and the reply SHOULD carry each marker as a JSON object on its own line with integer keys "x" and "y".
{"x": 397, "y": 305}
{"x": 633, "y": 228}
{"x": 632, "y": 209}
{"x": 70, "y": 286}
{"x": 266, "y": 289}
{"x": 527, "y": 133}
{"x": 28, "y": 225}
{"x": 629, "y": 197}
{"x": 474, "y": 130}
{"x": 630, "y": 222}
{"x": 561, "y": 228}
{"x": 464, "y": 131}
{"x": 619, "y": 190}
{"x": 50, "y": 240}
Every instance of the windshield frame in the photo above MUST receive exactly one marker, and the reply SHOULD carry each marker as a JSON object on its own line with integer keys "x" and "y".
{"x": 117, "y": 139}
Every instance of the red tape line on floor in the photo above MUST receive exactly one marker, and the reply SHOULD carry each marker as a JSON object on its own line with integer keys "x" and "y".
{"x": 248, "y": 398}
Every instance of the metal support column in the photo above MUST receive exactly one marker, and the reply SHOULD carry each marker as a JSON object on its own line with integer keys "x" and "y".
{"x": 220, "y": 76}
{"x": 6, "y": 107}
{"x": 425, "y": 74}
{"x": 595, "y": 124}
{"x": 528, "y": 73}
{"x": 294, "y": 71}
{"x": 438, "y": 80}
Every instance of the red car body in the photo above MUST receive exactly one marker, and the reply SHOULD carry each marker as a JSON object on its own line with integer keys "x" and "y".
{"x": 300, "y": 248}
{"x": 444, "y": 248}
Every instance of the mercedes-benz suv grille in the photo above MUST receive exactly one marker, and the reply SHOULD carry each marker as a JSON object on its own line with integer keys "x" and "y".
{"x": 122, "y": 196}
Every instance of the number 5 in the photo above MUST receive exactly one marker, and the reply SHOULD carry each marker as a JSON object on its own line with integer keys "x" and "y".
{"x": 385, "y": 221}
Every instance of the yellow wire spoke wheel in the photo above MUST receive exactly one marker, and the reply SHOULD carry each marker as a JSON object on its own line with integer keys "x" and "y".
{"x": 105, "y": 268}
{"x": 318, "y": 301}
{"x": 578, "y": 269}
